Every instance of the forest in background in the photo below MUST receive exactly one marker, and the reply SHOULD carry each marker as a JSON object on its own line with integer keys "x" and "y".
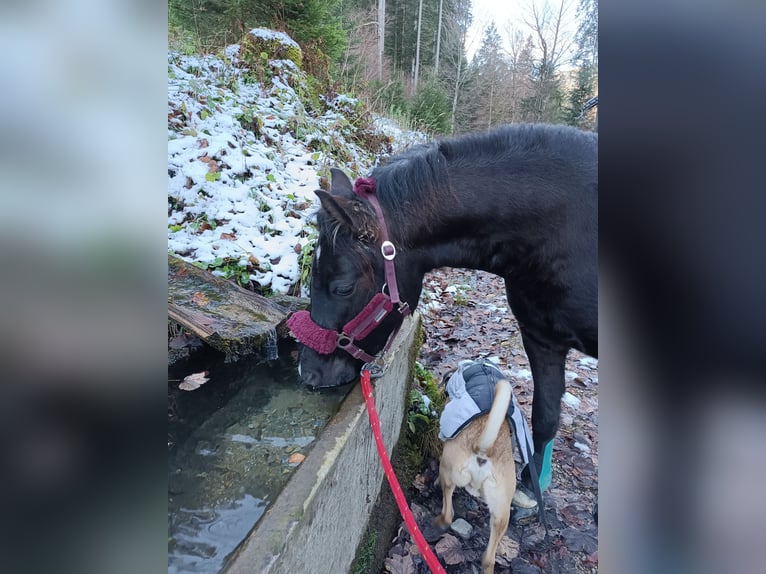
{"x": 415, "y": 68}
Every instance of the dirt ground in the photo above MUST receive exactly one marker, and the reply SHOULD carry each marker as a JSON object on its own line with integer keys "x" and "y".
{"x": 466, "y": 316}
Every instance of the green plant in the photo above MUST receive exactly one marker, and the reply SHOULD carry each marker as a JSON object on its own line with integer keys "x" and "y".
{"x": 182, "y": 41}
{"x": 228, "y": 268}
{"x": 460, "y": 295}
{"x": 366, "y": 554}
{"x": 200, "y": 223}
{"x": 426, "y": 402}
{"x": 307, "y": 253}
{"x": 430, "y": 107}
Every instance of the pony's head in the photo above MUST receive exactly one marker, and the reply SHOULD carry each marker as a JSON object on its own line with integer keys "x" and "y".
{"x": 347, "y": 272}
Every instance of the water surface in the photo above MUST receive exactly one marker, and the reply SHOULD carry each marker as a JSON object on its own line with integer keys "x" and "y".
{"x": 228, "y": 448}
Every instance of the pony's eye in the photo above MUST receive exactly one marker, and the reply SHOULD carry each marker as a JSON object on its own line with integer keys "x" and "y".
{"x": 343, "y": 290}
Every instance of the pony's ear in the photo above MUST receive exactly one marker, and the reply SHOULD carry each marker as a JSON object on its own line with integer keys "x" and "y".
{"x": 350, "y": 214}
{"x": 340, "y": 181}
{"x": 336, "y": 207}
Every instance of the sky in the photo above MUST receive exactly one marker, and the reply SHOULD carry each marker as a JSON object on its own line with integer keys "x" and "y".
{"x": 503, "y": 12}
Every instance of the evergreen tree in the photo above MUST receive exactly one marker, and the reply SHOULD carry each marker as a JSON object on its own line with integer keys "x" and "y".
{"x": 216, "y": 23}
{"x": 587, "y": 66}
{"x": 491, "y": 74}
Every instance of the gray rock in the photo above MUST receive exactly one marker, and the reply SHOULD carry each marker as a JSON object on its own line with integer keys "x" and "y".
{"x": 571, "y": 400}
{"x": 462, "y": 528}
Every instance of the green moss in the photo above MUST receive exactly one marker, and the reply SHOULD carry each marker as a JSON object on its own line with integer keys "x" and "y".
{"x": 252, "y": 49}
{"x": 363, "y": 563}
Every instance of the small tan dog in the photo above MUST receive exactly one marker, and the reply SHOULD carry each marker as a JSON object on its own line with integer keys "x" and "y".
{"x": 480, "y": 459}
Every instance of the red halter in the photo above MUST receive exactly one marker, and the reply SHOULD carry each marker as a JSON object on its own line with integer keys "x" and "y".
{"x": 325, "y": 341}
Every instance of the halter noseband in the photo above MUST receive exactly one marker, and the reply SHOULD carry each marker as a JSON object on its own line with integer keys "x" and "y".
{"x": 325, "y": 341}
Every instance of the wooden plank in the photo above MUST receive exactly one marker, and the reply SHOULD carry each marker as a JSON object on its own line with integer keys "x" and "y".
{"x": 224, "y": 315}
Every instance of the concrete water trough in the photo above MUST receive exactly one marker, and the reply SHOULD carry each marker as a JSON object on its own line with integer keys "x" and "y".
{"x": 316, "y": 523}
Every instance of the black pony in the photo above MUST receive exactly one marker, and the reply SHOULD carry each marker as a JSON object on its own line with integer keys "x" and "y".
{"x": 520, "y": 201}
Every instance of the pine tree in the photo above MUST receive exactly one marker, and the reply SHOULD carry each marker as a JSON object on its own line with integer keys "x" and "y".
{"x": 587, "y": 66}
{"x": 491, "y": 73}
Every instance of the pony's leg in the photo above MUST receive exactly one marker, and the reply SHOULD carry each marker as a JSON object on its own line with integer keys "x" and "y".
{"x": 547, "y": 365}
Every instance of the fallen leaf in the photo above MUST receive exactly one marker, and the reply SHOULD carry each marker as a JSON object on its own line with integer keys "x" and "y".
{"x": 212, "y": 166}
{"x": 397, "y": 564}
{"x": 229, "y": 236}
{"x": 450, "y": 550}
{"x": 296, "y": 458}
{"x": 178, "y": 342}
{"x": 200, "y": 299}
{"x": 507, "y": 550}
{"x": 203, "y": 143}
{"x": 194, "y": 381}
{"x": 419, "y": 482}
{"x": 205, "y": 158}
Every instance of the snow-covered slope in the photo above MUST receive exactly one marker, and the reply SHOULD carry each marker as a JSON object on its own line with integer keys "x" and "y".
{"x": 246, "y": 149}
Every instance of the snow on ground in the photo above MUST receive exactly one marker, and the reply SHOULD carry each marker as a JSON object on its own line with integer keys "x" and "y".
{"x": 243, "y": 162}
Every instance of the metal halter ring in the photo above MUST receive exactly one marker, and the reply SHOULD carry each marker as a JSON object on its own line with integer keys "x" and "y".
{"x": 344, "y": 340}
{"x": 388, "y": 250}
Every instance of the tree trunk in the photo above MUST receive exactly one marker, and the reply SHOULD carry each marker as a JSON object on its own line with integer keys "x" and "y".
{"x": 457, "y": 82}
{"x": 438, "y": 38}
{"x": 381, "y": 35}
{"x": 417, "y": 47}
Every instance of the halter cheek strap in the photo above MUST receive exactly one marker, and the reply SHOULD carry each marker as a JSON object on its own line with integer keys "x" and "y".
{"x": 325, "y": 341}
{"x": 364, "y": 187}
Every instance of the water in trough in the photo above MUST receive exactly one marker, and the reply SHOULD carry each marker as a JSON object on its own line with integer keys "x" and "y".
{"x": 229, "y": 448}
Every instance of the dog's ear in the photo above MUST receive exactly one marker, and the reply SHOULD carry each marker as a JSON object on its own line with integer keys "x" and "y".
{"x": 339, "y": 182}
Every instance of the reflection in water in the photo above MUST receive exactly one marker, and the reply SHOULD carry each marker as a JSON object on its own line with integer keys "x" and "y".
{"x": 202, "y": 538}
{"x": 229, "y": 447}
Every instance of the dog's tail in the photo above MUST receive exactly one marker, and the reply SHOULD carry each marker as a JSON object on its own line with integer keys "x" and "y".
{"x": 496, "y": 415}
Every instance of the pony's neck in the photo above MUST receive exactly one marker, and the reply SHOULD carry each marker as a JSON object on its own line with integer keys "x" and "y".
{"x": 462, "y": 233}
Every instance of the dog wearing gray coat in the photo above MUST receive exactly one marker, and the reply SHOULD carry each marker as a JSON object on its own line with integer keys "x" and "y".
{"x": 480, "y": 459}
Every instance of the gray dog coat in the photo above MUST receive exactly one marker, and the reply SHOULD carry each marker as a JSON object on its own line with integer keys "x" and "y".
{"x": 471, "y": 390}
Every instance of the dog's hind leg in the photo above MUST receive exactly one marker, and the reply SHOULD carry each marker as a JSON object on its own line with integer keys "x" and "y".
{"x": 448, "y": 488}
{"x": 499, "y": 524}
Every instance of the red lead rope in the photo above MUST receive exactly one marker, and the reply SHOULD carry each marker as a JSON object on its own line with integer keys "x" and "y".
{"x": 401, "y": 502}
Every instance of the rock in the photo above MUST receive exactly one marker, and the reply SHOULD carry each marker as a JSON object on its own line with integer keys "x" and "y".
{"x": 571, "y": 400}
{"x": 583, "y": 448}
{"x": 276, "y": 46}
{"x": 581, "y": 438}
{"x": 578, "y": 541}
{"x": 521, "y": 566}
{"x": 462, "y": 528}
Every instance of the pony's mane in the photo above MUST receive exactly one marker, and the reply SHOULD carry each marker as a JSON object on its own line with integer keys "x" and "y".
{"x": 413, "y": 181}
{"x": 419, "y": 177}
{"x": 514, "y": 140}
{"x": 414, "y": 186}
